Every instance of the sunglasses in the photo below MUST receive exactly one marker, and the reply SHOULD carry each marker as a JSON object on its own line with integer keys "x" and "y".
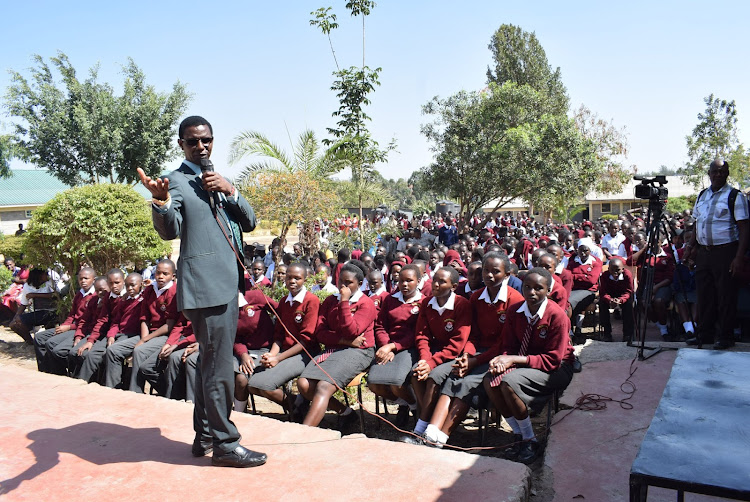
{"x": 194, "y": 141}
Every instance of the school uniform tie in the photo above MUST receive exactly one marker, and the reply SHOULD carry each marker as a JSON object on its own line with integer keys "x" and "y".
{"x": 497, "y": 379}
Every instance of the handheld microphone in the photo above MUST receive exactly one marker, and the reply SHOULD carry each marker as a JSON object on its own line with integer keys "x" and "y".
{"x": 207, "y": 167}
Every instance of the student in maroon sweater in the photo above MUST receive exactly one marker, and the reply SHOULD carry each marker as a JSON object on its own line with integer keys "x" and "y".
{"x": 159, "y": 317}
{"x": 558, "y": 293}
{"x": 489, "y": 307}
{"x": 443, "y": 329}
{"x": 474, "y": 281}
{"x": 616, "y": 289}
{"x": 125, "y": 325}
{"x": 586, "y": 270}
{"x": 395, "y": 327}
{"x": 57, "y": 357}
{"x": 560, "y": 271}
{"x": 376, "y": 288}
{"x": 88, "y": 355}
{"x": 346, "y": 326}
{"x": 47, "y": 340}
{"x": 664, "y": 265}
{"x": 254, "y": 337}
{"x": 286, "y": 360}
{"x": 257, "y": 276}
{"x": 536, "y": 361}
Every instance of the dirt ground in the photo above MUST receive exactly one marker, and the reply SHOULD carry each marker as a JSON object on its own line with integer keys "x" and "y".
{"x": 14, "y": 351}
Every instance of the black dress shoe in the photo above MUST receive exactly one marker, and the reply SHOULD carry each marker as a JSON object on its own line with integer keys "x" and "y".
{"x": 414, "y": 438}
{"x": 529, "y": 452}
{"x": 346, "y": 421}
{"x": 692, "y": 341}
{"x": 402, "y": 417}
{"x": 512, "y": 451}
{"x": 201, "y": 448}
{"x": 239, "y": 457}
{"x": 723, "y": 345}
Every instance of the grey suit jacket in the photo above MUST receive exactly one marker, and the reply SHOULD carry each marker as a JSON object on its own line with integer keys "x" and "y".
{"x": 208, "y": 273}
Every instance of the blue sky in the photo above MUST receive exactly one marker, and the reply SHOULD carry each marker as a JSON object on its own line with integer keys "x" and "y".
{"x": 259, "y": 65}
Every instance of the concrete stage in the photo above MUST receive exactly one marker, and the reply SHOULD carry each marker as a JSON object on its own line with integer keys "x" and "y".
{"x": 62, "y": 439}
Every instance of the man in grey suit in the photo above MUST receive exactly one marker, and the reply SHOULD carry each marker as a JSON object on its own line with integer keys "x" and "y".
{"x": 209, "y": 215}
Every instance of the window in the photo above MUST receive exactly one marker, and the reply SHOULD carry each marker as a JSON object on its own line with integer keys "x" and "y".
{"x": 28, "y": 213}
{"x": 606, "y": 207}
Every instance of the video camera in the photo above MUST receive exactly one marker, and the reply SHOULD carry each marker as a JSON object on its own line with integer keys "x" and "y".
{"x": 649, "y": 190}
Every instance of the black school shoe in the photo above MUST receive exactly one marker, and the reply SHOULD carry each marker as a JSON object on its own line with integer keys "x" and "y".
{"x": 402, "y": 417}
{"x": 239, "y": 457}
{"x": 512, "y": 451}
{"x": 723, "y": 344}
{"x": 528, "y": 452}
{"x": 414, "y": 438}
{"x": 201, "y": 448}
{"x": 346, "y": 421}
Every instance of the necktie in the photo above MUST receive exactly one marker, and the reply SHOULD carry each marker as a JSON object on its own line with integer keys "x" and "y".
{"x": 521, "y": 351}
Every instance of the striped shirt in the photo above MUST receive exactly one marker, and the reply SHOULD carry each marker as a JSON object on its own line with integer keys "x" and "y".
{"x": 714, "y": 225}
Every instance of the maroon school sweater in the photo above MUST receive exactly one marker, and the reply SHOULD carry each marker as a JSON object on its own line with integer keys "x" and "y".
{"x": 586, "y": 276}
{"x": 559, "y": 294}
{"x": 549, "y": 344}
{"x": 347, "y": 321}
{"x": 300, "y": 319}
{"x": 445, "y": 334}
{"x": 78, "y": 308}
{"x": 86, "y": 325}
{"x": 156, "y": 311}
{"x": 567, "y": 280}
{"x": 254, "y": 325}
{"x": 105, "y": 317}
{"x": 126, "y": 317}
{"x": 377, "y": 300}
{"x": 610, "y": 288}
{"x": 397, "y": 323}
{"x": 489, "y": 323}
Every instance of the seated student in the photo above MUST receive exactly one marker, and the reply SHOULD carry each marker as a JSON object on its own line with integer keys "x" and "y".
{"x": 390, "y": 373}
{"x": 473, "y": 281}
{"x": 159, "y": 318}
{"x": 425, "y": 284}
{"x": 586, "y": 270}
{"x": 346, "y": 326}
{"x": 86, "y": 357}
{"x": 41, "y": 290}
{"x": 297, "y": 313}
{"x": 125, "y": 326}
{"x": 325, "y": 283}
{"x": 685, "y": 294}
{"x": 183, "y": 363}
{"x": 536, "y": 360}
{"x": 561, "y": 271}
{"x": 376, "y": 289}
{"x": 616, "y": 289}
{"x": 393, "y": 274}
{"x": 56, "y": 359}
{"x": 489, "y": 308}
{"x": 280, "y": 275}
{"x": 257, "y": 276}
{"x": 46, "y": 340}
{"x": 254, "y": 337}
{"x": 664, "y": 267}
{"x": 558, "y": 293}
{"x": 443, "y": 328}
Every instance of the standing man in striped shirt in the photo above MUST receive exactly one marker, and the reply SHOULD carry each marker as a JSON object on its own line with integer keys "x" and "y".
{"x": 718, "y": 245}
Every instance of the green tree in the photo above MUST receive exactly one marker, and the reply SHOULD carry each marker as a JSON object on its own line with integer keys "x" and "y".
{"x": 8, "y": 151}
{"x": 105, "y": 225}
{"x": 83, "y": 133}
{"x": 714, "y": 136}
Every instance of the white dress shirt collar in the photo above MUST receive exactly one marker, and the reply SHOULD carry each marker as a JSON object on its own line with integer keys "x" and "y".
{"x": 502, "y": 295}
{"x": 400, "y": 297}
{"x": 448, "y": 305}
{"x": 539, "y": 313}
{"x": 299, "y": 297}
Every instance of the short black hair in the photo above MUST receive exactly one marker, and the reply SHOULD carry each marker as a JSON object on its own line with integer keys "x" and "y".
{"x": 193, "y": 121}
{"x": 115, "y": 271}
{"x": 354, "y": 269}
{"x": 495, "y": 255}
{"x": 168, "y": 262}
{"x": 542, "y": 272}
{"x": 453, "y": 274}
{"x": 413, "y": 268}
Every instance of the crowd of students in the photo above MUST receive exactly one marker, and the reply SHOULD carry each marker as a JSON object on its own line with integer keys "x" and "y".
{"x": 436, "y": 317}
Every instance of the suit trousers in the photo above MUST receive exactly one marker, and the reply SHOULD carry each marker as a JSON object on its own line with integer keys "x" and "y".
{"x": 215, "y": 329}
{"x": 717, "y": 292}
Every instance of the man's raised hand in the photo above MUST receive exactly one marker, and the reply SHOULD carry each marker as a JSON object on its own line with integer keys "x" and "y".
{"x": 159, "y": 187}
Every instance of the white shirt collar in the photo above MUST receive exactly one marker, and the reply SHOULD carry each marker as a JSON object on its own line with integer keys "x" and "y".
{"x": 136, "y": 296}
{"x": 378, "y": 291}
{"x": 448, "y": 305}
{"x": 539, "y": 313}
{"x": 552, "y": 286}
{"x": 400, "y": 297}
{"x": 241, "y": 302}
{"x": 588, "y": 261}
{"x": 422, "y": 281}
{"x": 122, "y": 293}
{"x": 354, "y": 298}
{"x": 299, "y": 298}
{"x": 559, "y": 268}
{"x": 502, "y": 295}
{"x": 618, "y": 278}
{"x": 85, "y": 293}
{"x": 161, "y": 291}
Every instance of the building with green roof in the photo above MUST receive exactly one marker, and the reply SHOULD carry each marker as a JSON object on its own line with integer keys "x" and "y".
{"x": 27, "y": 190}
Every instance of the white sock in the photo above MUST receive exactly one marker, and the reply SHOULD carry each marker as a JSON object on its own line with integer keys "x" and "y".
{"x": 689, "y": 326}
{"x": 662, "y": 328}
{"x": 421, "y": 426}
{"x": 346, "y": 411}
{"x": 526, "y": 430}
{"x": 240, "y": 405}
{"x": 513, "y": 424}
{"x": 432, "y": 432}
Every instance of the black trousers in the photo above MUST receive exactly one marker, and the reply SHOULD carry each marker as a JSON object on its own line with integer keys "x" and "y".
{"x": 717, "y": 292}
{"x": 627, "y": 318}
{"x": 215, "y": 329}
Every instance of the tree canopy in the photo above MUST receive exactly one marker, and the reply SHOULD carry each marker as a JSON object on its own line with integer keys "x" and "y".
{"x": 105, "y": 225}
{"x": 83, "y": 133}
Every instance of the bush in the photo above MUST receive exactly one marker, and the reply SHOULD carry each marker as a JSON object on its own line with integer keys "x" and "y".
{"x": 679, "y": 204}
{"x": 106, "y": 225}
{"x": 6, "y": 277}
{"x": 12, "y": 246}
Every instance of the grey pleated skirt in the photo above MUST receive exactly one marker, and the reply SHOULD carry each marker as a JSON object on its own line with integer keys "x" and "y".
{"x": 273, "y": 378}
{"x": 395, "y": 372}
{"x": 342, "y": 365}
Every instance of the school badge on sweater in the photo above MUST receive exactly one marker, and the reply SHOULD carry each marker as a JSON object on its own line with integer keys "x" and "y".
{"x": 448, "y": 325}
